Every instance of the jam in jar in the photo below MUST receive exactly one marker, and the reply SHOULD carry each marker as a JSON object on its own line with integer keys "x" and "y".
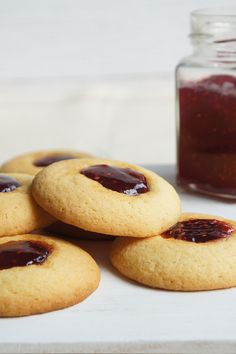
{"x": 206, "y": 106}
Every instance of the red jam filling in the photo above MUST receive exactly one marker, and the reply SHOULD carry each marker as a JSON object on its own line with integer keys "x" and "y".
{"x": 22, "y": 253}
{"x": 122, "y": 180}
{"x": 8, "y": 184}
{"x": 46, "y": 161}
{"x": 199, "y": 230}
{"x": 207, "y": 143}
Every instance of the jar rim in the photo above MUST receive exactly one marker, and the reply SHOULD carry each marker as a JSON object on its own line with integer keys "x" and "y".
{"x": 217, "y": 12}
{"x": 214, "y": 25}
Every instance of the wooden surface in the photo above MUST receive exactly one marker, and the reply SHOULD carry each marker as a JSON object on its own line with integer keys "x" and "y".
{"x": 124, "y": 317}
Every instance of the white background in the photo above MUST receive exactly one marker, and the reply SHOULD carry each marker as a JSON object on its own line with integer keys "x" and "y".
{"x": 94, "y": 37}
{"x": 123, "y": 54}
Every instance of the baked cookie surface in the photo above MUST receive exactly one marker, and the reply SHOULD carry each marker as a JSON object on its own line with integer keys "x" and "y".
{"x": 32, "y": 163}
{"x": 19, "y": 212}
{"x": 59, "y": 274}
{"x": 148, "y": 205}
{"x": 205, "y": 261}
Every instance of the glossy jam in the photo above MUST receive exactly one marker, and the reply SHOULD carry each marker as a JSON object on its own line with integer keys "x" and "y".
{"x": 23, "y": 253}
{"x": 199, "y": 230}
{"x": 8, "y": 184}
{"x": 122, "y": 180}
{"x": 48, "y": 160}
{"x": 207, "y": 135}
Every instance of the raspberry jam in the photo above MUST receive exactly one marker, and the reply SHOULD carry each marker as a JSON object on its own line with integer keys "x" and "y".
{"x": 207, "y": 135}
{"x": 122, "y": 180}
{"x": 22, "y": 253}
{"x": 8, "y": 184}
{"x": 46, "y": 161}
{"x": 199, "y": 230}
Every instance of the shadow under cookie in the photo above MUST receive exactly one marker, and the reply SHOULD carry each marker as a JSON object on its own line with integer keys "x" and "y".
{"x": 67, "y": 230}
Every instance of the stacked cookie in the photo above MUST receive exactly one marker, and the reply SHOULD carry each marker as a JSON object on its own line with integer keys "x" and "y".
{"x": 32, "y": 266}
{"x": 96, "y": 198}
{"x": 107, "y": 197}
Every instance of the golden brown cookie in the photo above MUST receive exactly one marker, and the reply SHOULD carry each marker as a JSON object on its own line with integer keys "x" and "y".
{"x": 40, "y": 274}
{"x": 32, "y": 163}
{"x": 19, "y": 213}
{"x": 60, "y": 228}
{"x": 198, "y": 253}
{"x": 108, "y": 197}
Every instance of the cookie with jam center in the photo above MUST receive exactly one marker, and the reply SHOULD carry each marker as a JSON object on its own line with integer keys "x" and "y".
{"x": 32, "y": 163}
{"x": 197, "y": 253}
{"x": 107, "y": 197}
{"x": 19, "y": 213}
{"x": 40, "y": 274}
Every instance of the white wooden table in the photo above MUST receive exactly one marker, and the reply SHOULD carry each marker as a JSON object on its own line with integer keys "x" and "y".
{"x": 124, "y": 317}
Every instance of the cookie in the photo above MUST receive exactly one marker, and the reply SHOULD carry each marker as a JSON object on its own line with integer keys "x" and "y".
{"x": 198, "y": 253}
{"x": 34, "y": 162}
{"x": 40, "y": 274}
{"x": 107, "y": 197}
{"x": 19, "y": 213}
{"x": 60, "y": 228}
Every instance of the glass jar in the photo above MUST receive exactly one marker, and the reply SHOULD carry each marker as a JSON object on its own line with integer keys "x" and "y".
{"x": 206, "y": 105}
